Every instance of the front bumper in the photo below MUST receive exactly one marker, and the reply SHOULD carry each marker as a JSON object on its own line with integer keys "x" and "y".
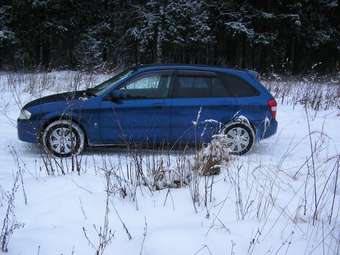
{"x": 28, "y": 130}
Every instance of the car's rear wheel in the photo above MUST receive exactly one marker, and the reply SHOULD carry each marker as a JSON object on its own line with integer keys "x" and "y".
{"x": 63, "y": 138}
{"x": 239, "y": 138}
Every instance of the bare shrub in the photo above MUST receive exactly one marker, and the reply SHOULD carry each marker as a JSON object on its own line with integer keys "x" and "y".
{"x": 311, "y": 94}
{"x": 9, "y": 222}
{"x": 38, "y": 84}
{"x": 21, "y": 171}
{"x": 104, "y": 233}
{"x": 211, "y": 156}
{"x": 52, "y": 165}
{"x": 152, "y": 169}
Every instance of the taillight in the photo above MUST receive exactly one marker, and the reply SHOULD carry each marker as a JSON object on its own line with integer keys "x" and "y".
{"x": 272, "y": 107}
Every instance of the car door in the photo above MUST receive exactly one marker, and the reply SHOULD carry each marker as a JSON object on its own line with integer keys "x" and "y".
{"x": 141, "y": 114}
{"x": 201, "y": 104}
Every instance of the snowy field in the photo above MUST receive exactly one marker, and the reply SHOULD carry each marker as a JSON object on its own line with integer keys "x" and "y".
{"x": 282, "y": 198}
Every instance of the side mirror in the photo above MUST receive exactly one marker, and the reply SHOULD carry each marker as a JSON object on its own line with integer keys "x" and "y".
{"x": 115, "y": 96}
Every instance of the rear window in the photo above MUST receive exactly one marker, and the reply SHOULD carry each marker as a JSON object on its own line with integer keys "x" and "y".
{"x": 239, "y": 87}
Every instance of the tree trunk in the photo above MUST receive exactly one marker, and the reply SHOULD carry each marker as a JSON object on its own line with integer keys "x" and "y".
{"x": 159, "y": 52}
{"x": 292, "y": 56}
{"x": 243, "y": 58}
{"x": 46, "y": 52}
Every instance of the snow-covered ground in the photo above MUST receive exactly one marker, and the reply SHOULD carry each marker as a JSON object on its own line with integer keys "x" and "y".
{"x": 260, "y": 203}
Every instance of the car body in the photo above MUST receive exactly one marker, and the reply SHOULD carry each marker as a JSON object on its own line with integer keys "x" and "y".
{"x": 157, "y": 104}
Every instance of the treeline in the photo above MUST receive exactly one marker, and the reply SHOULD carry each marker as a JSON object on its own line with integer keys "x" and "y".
{"x": 284, "y": 36}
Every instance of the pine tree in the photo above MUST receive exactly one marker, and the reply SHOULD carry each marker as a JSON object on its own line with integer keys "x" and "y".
{"x": 170, "y": 25}
{"x": 283, "y": 36}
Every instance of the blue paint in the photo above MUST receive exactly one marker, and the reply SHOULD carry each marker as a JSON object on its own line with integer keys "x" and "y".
{"x": 153, "y": 120}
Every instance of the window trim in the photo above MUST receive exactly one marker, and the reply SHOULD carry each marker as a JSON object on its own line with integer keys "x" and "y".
{"x": 195, "y": 73}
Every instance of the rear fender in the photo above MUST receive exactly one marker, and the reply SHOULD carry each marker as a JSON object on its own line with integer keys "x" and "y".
{"x": 239, "y": 118}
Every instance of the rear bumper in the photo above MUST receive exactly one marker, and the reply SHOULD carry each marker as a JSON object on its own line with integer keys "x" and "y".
{"x": 270, "y": 130}
{"x": 265, "y": 130}
{"x": 28, "y": 130}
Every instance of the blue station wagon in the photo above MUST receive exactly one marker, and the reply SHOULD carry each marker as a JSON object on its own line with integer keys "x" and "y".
{"x": 154, "y": 104}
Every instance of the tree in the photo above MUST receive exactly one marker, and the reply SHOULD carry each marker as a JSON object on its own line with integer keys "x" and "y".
{"x": 171, "y": 25}
{"x": 7, "y": 35}
{"x": 267, "y": 35}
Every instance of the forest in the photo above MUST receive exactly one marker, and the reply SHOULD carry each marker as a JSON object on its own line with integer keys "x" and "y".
{"x": 283, "y": 36}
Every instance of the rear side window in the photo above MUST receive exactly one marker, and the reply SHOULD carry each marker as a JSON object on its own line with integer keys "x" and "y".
{"x": 219, "y": 88}
{"x": 199, "y": 85}
{"x": 192, "y": 86}
{"x": 195, "y": 85}
{"x": 238, "y": 87}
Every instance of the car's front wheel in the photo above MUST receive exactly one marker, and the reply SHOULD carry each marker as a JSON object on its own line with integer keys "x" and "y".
{"x": 239, "y": 138}
{"x": 63, "y": 138}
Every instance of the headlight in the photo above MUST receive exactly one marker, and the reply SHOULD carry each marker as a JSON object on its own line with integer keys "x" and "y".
{"x": 24, "y": 115}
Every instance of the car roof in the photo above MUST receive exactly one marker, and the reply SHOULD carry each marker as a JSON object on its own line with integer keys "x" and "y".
{"x": 193, "y": 67}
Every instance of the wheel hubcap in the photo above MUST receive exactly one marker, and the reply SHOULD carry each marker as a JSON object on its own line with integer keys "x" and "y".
{"x": 62, "y": 140}
{"x": 237, "y": 139}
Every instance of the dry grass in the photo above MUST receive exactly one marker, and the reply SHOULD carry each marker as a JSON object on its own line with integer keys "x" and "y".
{"x": 266, "y": 193}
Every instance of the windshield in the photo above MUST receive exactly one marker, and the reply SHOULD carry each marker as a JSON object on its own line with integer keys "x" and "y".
{"x": 101, "y": 88}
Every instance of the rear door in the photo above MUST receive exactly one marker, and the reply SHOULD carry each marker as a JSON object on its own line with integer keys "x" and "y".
{"x": 201, "y": 104}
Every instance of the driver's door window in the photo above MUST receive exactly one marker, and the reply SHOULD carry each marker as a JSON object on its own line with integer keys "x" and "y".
{"x": 147, "y": 87}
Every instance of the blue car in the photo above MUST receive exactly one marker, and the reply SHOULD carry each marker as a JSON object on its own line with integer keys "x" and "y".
{"x": 154, "y": 104}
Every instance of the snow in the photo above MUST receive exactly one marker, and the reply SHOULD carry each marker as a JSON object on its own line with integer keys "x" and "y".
{"x": 257, "y": 202}
{"x": 240, "y": 27}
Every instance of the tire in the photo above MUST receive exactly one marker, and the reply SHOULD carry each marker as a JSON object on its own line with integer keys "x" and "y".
{"x": 239, "y": 138}
{"x": 63, "y": 138}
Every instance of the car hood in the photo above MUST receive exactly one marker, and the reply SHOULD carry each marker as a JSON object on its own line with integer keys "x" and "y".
{"x": 62, "y": 97}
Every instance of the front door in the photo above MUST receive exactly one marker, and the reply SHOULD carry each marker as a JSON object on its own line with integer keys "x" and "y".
{"x": 141, "y": 115}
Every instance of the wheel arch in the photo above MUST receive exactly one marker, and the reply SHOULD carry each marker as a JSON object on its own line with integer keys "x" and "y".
{"x": 243, "y": 120}
{"x": 62, "y": 117}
